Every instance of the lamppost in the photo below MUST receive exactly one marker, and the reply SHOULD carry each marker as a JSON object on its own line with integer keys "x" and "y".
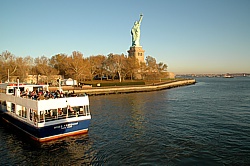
{"x": 8, "y": 76}
{"x": 37, "y": 78}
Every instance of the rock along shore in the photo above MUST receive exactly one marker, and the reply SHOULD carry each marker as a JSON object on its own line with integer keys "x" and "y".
{"x": 132, "y": 89}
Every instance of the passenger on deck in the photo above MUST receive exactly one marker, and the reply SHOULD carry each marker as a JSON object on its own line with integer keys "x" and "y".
{"x": 60, "y": 112}
{"x": 40, "y": 97}
{"x": 33, "y": 95}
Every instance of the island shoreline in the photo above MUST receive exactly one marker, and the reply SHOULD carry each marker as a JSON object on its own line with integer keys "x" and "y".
{"x": 131, "y": 89}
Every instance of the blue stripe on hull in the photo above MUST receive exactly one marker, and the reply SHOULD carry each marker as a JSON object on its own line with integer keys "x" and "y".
{"x": 48, "y": 131}
{"x": 62, "y": 128}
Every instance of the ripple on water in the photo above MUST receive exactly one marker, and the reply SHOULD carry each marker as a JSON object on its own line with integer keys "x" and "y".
{"x": 202, "y": 124}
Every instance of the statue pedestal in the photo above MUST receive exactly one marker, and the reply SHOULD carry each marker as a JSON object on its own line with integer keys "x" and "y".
{"x": 137, "y": 52}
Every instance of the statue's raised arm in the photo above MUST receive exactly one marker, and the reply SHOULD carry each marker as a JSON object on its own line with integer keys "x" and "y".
{"x": 135, "y": 31}
{"x": 141, "y": 16}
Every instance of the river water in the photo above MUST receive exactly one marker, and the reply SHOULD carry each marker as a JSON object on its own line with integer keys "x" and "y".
{"x": 203, "y": 124}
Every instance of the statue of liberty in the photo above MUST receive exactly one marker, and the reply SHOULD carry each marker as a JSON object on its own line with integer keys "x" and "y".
{"x": 135, "y": 31}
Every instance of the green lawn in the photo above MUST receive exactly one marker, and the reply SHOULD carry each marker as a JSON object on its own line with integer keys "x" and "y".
{"x": 103, "y": 83}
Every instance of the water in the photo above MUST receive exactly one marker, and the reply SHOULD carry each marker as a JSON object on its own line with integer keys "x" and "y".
{"x": 203, "y": 124}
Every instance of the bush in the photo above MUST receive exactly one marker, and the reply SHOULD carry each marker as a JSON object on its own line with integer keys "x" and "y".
{"x": 104, "y": 84}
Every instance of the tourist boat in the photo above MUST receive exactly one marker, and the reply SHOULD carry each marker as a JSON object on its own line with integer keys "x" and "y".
{"x": 228, "y": 76}
{"x": 44, "y": 115}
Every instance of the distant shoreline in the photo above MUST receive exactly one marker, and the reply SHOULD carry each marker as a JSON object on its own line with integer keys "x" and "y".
{"x": 132, "y": 89}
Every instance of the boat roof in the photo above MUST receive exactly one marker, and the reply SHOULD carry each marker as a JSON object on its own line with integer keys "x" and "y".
{"x": 40, "y": 105}
{"x": 5, "y": 85}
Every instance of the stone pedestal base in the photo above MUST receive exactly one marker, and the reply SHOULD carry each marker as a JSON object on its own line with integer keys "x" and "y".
{"x": 137, "y": 52}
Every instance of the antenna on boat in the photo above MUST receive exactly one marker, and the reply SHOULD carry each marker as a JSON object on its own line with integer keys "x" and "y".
{"x": 17, "y": 82}
{"x": 59, "y": 82}
{"x": 17, "y": 91}
{"x": 8, "y": 75}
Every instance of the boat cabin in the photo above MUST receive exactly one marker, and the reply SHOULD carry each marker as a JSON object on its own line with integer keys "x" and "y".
{"x": 19, "y": 101}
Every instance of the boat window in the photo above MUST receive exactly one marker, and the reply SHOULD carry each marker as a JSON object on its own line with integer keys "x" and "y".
{"x": 8, "y": 104}
{"x": 54, "y": 113}
{"x": 4, "y": 103}
{"x": 62, "y": 113}
{"x": 19, "y": 111}
{"x": 36, "y": 117}
{"x": 24, "y": 112}
{"x": 77, "y": 108}
{"x": 87, "y": 110}
{"x": 48, "y": 115}
{"x": 41, "y": 117}
{"x": 21, "y": 89}
{"x": 11, "y": 91}
{"x": 64, "y": 110}
{"x": 13, "y": 106}
{"x": 71, "y": 111}
{"x": 31, "y": 114}
{"x": 82, "y": 112}
{"x": 39, "y": 89}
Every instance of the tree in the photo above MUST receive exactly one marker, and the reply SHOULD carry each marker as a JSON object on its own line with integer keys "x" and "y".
{"x": 115, "y": 65}
{"x": 24, "y": 66}
{"x": 131, "y": 66}
{"x": 97, "y": 65}
{"x": 155, "y": 70}
{"x": 120, "y": 61}
{"x": 43, "y": 67}
{"x": 58, "y": 61}
{"x": 87, "y": 70}
{"x": 80, "y": 68}
{"x": 143, "y": 70}
{"x": 8, "y": 65}
{"x": 77, "y": 66}
{"x": 162, "y": 69}
{"x": 152, "y": 72}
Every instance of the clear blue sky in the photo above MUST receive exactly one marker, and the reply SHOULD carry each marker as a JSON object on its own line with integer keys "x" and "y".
{"x": 190, "y": 36}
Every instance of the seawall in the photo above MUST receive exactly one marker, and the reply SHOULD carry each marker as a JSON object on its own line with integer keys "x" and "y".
{"x": 132, "y": 89}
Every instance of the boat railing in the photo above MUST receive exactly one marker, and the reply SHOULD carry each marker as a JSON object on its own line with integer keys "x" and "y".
{"x": 49, "y": 118}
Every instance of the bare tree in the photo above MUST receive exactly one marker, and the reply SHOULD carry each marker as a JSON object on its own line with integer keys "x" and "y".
{"x": 162, "y": 69}
{"x": 132, "y": 66}
{"x": 115, "y": 65}
{"x": 143, "y": 70}
{"x": 23, "y": 67}
{"x": 59, "y": 62}
{"x": 80, "y": 68}
{"x": 77, "y": 66}
{"x": 152, "y": 72}
{"x": 43, "y": 67}
{"x": 8, "y": 65}
{"x": 97, "y": 65}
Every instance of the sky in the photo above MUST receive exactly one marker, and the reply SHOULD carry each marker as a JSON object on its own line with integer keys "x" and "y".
{"x": 190, "y": 36}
